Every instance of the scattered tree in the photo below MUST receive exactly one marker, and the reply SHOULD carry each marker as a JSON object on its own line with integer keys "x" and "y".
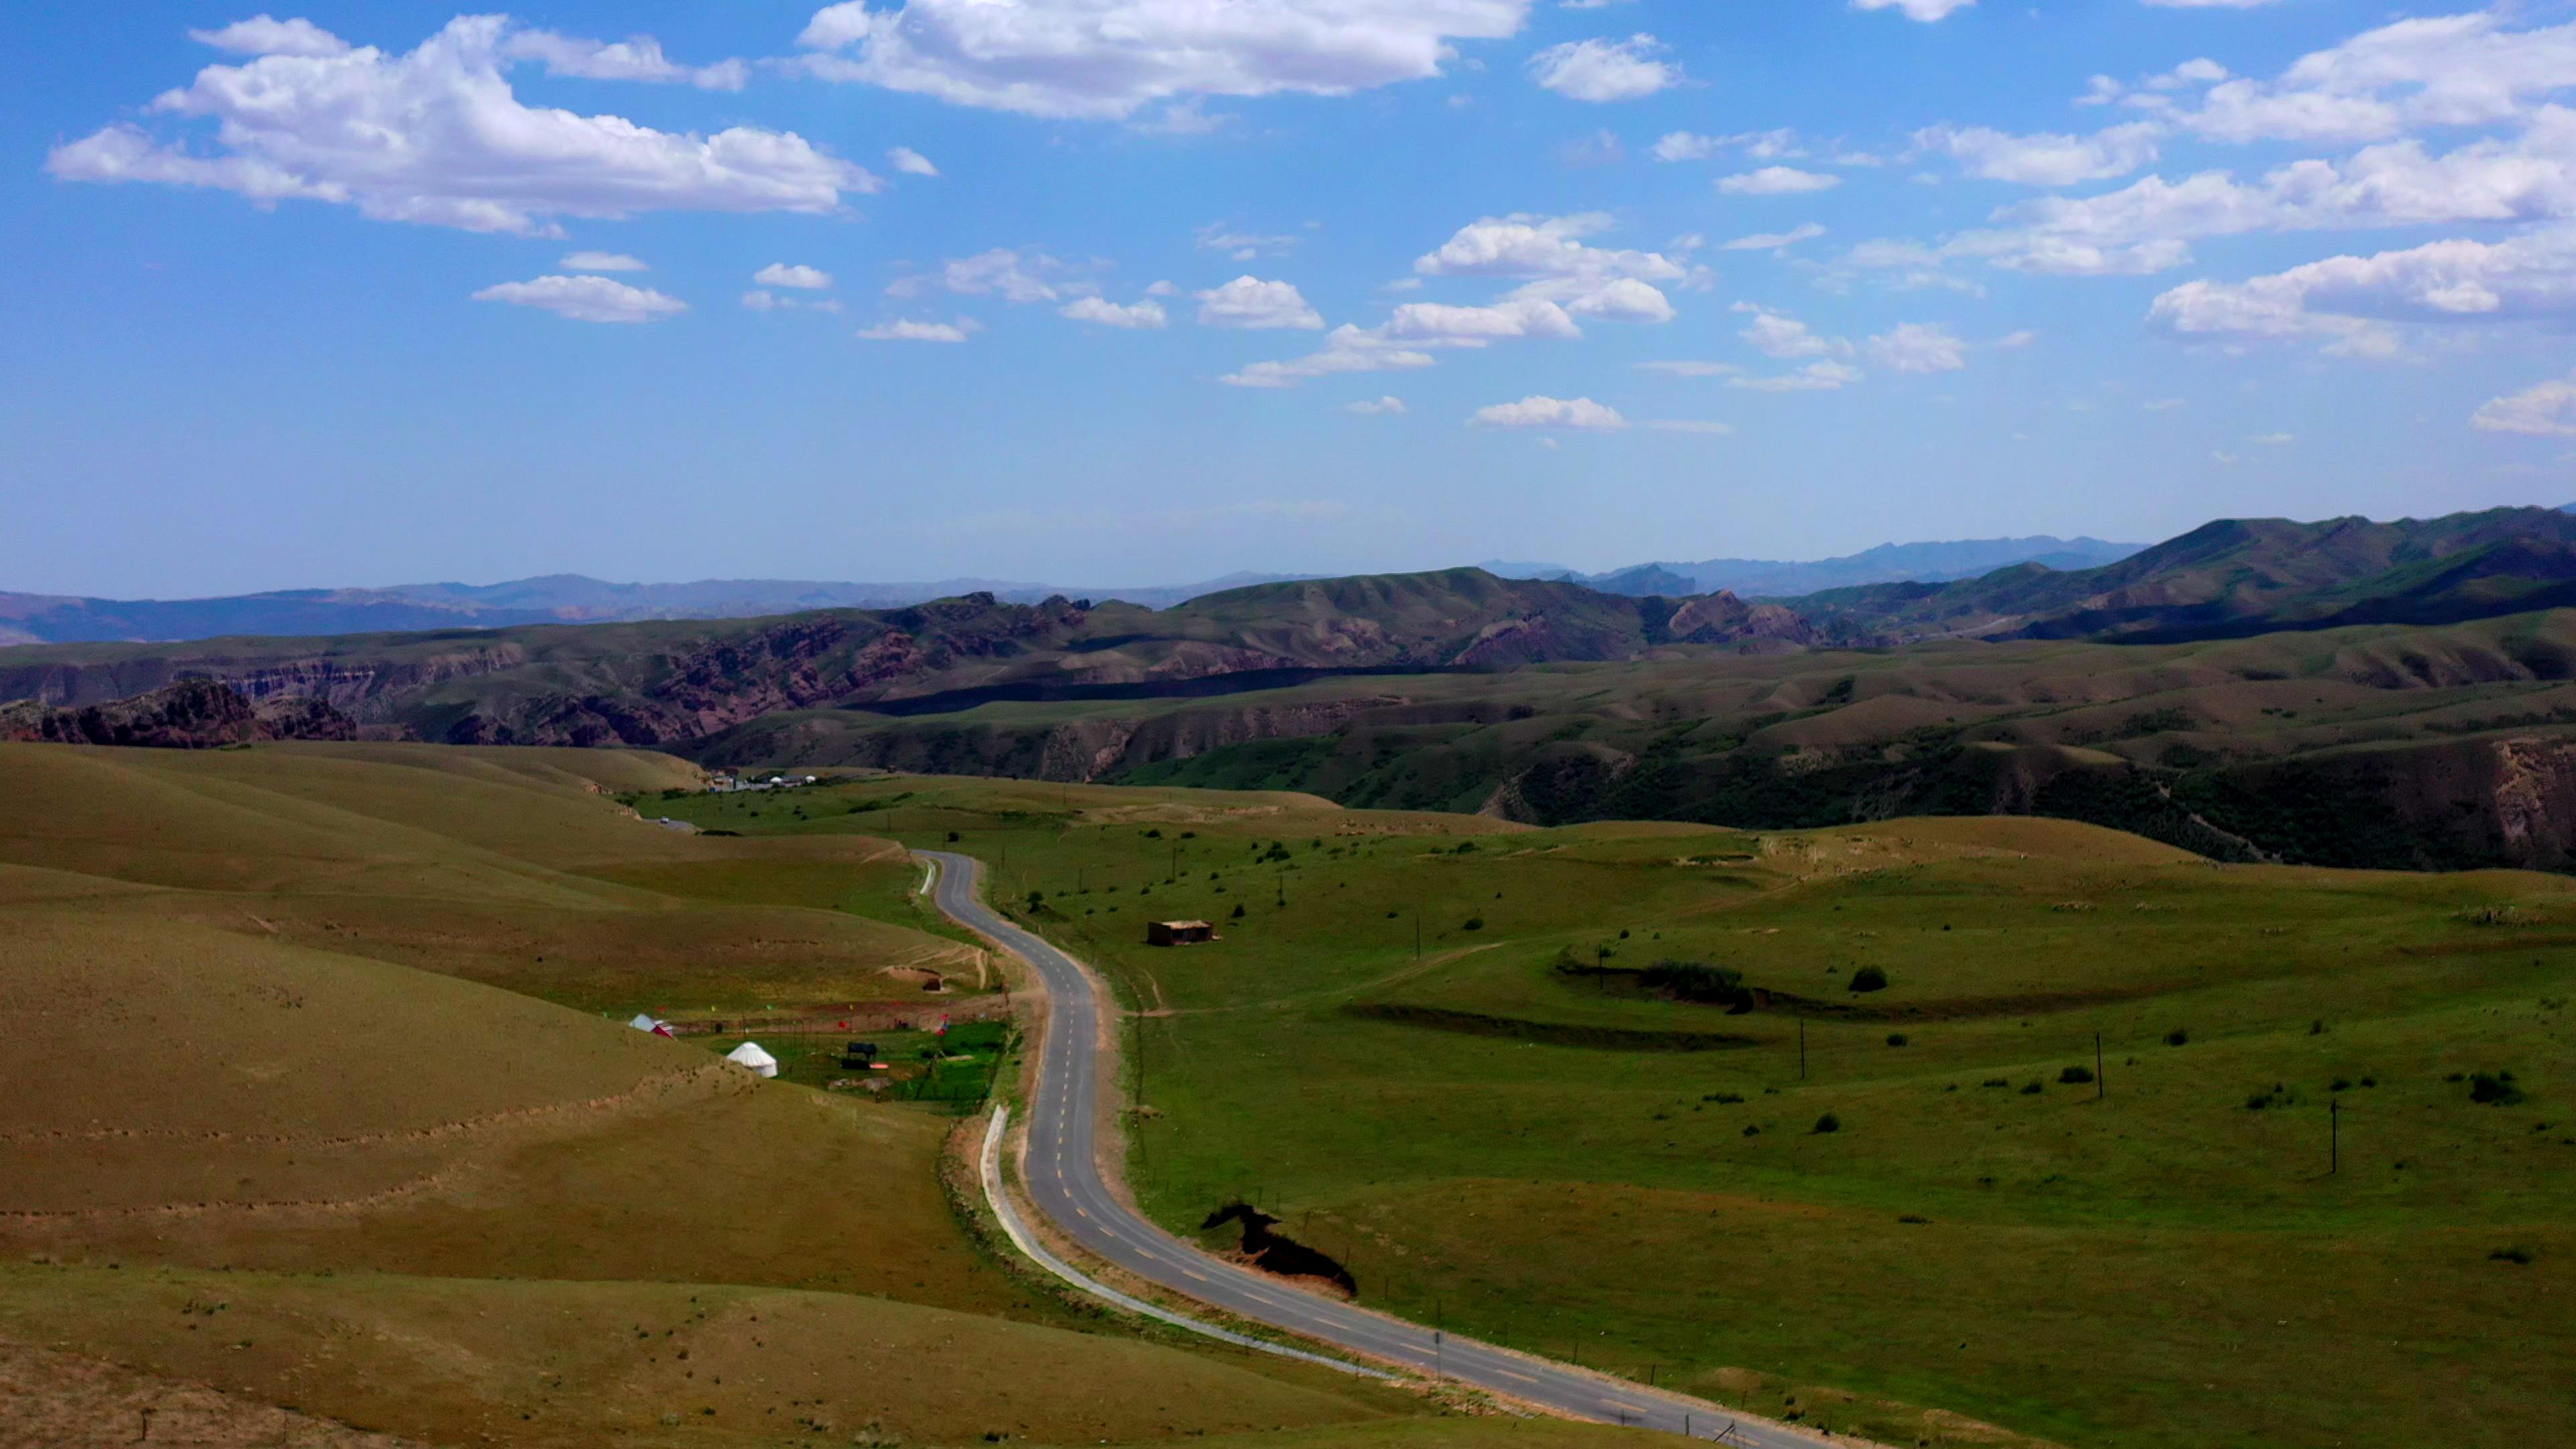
{"x": 1869, "y": 978}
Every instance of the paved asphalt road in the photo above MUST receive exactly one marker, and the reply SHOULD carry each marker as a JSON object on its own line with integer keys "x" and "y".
{"x": 1063, "y": 1178}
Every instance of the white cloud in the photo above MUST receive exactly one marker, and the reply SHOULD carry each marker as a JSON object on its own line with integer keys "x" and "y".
{"x": 1522, "y": 245}
{"x": 1549, "y": 412}
{"x": 1346, "y": 349}
{"x": 2163, "y": 404}
{"x": 639, "y": 58}
{"x": 436, "y": 136}
{"x": 586, "y": 299}
{"x": 780, "y": 274}
{"x": 1143, "y": 316}
{"x": 1814, "y": 377}
{"x": 2348, "y": 302}
{"x": 1605, "y": 70}
{"x": 760, "y": 301}
{"x": 262, "y": 35}
{"x": 2045, "y": 159}
{"x": 1388, "y": 406}
{"x": 1776, "y": 334}
{"x": 2225, "y": 459}
{"x": 913, "y": 332}
{"x": 1772, "y": 241}
{"x": 1432, "y": 324}
{"x": 2545, "y": 409}
{"x": 2273, "y": 440}
{"x": 1777, "y": 181}
{"x": 1923, "y": 10}
{"x": 1250, "y": 302}
{"x": 1918, "y": 347}
{"x": 1020, "y": 277}
{"x": 1685, "y": 146}
{"x": 910, "y": 162}
{"x": 601, "y": 262}
{"x": 1243, "y": 246}
{"x": 1686, "y": 368}
{"x": 1109, "y": 58}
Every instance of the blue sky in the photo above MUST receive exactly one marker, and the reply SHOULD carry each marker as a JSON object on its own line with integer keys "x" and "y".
{"x": 1106, "y": 291}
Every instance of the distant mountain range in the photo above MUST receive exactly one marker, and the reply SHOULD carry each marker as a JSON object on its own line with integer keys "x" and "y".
{"x": 551, "y": 599}
{"x": 1889, "y": 563}
{"x": 576, "y": 599}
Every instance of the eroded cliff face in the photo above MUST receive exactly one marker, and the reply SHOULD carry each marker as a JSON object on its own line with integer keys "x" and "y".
{"x": 192, "y": 714}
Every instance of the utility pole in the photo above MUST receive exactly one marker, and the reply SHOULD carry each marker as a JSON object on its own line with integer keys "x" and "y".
{"x": 1439, "y": 1326}
{"x": 1283, "y": 890}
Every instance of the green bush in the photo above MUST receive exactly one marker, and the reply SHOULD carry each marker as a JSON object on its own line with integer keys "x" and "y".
{"x": 1829, "y": 1123}
{"x": 2032, "y": 1088}
{"x": 1475, "y": 923}
{"x": 1696, "y": 981}
{"x": 1238, "y": 910}
{"x": 1896, "y": 1038}
{"x": 2076, "y": 1076}
{"x": 2177, "y": 1037}
{"x": 1869, "y": 978}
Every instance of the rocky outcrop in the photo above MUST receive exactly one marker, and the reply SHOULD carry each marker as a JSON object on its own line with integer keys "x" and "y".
{"x": 193, "y": 714}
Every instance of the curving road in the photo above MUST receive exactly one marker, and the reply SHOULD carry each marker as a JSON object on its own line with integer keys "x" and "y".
{"x": 1061, "y": 1171}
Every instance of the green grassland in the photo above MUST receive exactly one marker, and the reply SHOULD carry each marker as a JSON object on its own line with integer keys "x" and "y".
{"x": 314, "y": 1106}
{"x": 1575, "y": 1165}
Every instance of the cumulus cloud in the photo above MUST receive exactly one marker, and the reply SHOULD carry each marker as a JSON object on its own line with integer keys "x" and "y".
{"x": 639, "y": 58}
{"x": 1685, "y": 146}
{"x": 1918, "y": 347}
{"x": 1549, "y": 412}
{"x": 761, "y": 301}
{"x": 1772, "y": 241}
{"x": 601, "y": 262}
{"x": 1110, "y": 58}
{"x": 1776, "y": 334}
{"x": 436, "y": 136}
{"x": 1814, "y": 377}
{"x": 586, "y": 299}
{"x": 264, "y": 35}
{"x": 1605, "y": 70}
{"x": 1388, "y": 406}
{"x": 2348, "y": 302}
{"x": 1143, "y": 316}
{"x": 913, "y": 332}
{"x": 2045, "y": 159}
{"x": 1250, "y": 302}
{"x": 1777, "y": 181}
{"x": 1346, "y": 349}
{"x": 1923, "y": 10}
{"x": 780, "y": 274}
{"x": 2546, "y": 409}
{"x": 1433, "y": 323}
{"x": 910, "y": 162}
{"x": 1021, "y": 277}
{"x": 1685, "y": 368}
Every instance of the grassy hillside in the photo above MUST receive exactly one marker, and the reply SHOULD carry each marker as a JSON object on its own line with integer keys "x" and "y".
{"x": 299, "y": 1150}
{"x": 1514, "y": 1130}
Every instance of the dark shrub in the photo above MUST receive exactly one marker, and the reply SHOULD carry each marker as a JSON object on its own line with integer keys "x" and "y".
{"x": 2177, "y": 1037}
{"x": 2076, "y": 1076}
{"x": 1723, "y": 1099}
{"x": 1869, "y": 978}
{"x": 2494, "y": 1089}
{"x": 2031, "y": 1089}
{"x": 1896, "y": 1038}
{"x": 1695, "y": 981}
{"x": 2511, "y": 1255}
{"x": 1750, "y": 1130}
{"x": 952, "y": 837}
{"x": 1238, "y": 910}
{"x": 1475, "y": 923}
{"x": 1829, "y": 1123}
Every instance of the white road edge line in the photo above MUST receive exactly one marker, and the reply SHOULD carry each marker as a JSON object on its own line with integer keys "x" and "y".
{"x": 1009, "y": 1217}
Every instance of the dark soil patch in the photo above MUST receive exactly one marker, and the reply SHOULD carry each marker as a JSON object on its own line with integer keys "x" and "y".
{"x": 1553, "y": 1033}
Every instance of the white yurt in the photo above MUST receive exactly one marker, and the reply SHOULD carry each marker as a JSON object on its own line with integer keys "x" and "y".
{"x": 750, "y": 1055}
{"x": 643, "y": 1022}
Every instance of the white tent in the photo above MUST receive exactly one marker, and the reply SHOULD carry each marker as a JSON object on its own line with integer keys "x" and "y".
{"x": 750, "y": 1055}
{"x": 643, "y": 1022}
